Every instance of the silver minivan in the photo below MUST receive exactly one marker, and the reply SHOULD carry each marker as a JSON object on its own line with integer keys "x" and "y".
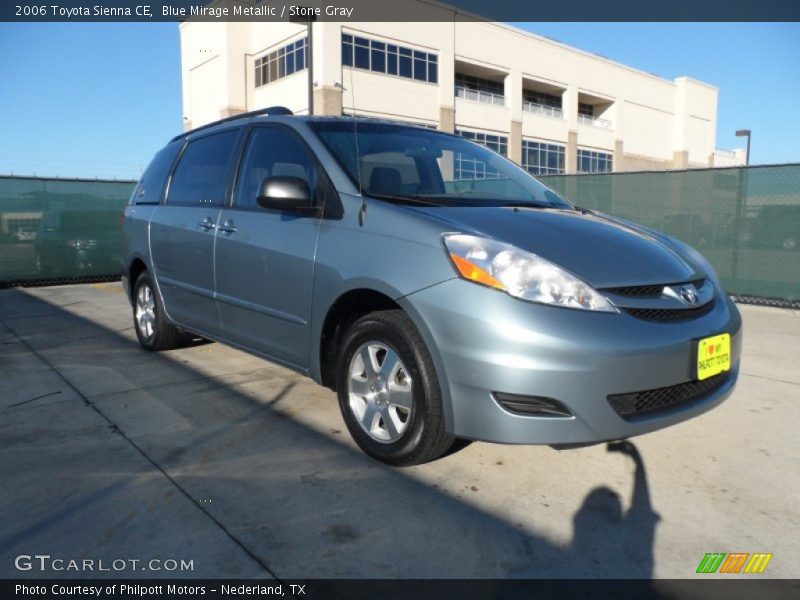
{"x": 436, "y": 286}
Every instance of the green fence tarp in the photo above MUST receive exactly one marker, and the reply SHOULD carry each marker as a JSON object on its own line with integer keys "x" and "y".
{"x": 60, "y": 229}
{"x": 746, "y": 221}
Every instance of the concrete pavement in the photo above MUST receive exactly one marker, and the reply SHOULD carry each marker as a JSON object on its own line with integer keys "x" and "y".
{"x": 209, "y": 455}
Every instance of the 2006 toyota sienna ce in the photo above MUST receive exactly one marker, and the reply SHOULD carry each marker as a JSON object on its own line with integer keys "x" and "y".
{"x": 437, "y": 287}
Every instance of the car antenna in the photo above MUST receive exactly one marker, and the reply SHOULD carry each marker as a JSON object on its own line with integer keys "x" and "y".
{"x": 362, "y": 211}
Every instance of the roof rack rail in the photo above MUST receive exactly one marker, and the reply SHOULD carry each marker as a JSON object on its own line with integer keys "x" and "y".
{"x": 272, "y": 110}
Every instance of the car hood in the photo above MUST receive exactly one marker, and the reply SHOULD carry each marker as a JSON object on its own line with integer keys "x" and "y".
{"x": 602, "y": 250}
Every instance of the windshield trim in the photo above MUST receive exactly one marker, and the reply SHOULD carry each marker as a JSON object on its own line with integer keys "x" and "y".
{"x": 404, "y": 199}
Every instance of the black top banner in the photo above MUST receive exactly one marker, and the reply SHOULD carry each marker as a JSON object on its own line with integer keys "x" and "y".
{"x": 399, "y": 10}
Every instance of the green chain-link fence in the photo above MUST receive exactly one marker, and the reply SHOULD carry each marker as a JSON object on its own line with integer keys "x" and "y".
{"x": 59, "y": 229}
{"x": 746, "y": 221}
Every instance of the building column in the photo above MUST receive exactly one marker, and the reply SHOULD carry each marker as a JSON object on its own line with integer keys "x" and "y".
{"x": 327, "y": 94}
{"x": 328, "y": 100}
{"x": 619, "y": 156}
{"x": 513, "y": 92}
{"x": 572, "y": 153}
{"x": 231, "y": 111}
{"x": 570, "y": 106}
{"x": 515, "y": 142}
{"x": 447, "y": 119}
{"x": 236, "y": 68}
{"x": 447, "y": 72}
{"x": 680, "y": 159}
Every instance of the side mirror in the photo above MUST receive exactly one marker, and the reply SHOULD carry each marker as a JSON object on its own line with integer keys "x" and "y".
{"x": 288, "y": 194}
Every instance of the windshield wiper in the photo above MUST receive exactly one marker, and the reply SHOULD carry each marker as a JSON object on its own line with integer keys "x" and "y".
{"x": 462, "y": 201}
{"x": 404, "y": 198}
{"x": 525, "y": 205}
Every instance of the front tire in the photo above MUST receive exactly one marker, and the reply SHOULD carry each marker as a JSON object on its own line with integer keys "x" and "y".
{"x": 151, "y": 327}
{"x": 388, "y": 391}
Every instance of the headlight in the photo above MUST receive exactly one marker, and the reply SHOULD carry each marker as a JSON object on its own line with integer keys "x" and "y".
{"x": 520, "y": 274}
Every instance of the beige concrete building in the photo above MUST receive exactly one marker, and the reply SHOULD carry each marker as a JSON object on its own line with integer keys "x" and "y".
{"x": 548, "y": 106}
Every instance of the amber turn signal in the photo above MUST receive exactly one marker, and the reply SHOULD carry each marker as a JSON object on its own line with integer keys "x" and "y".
{"x": 473, "y": 272}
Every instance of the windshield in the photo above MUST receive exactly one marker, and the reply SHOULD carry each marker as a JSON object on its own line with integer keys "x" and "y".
{"x": 429, "y": 167}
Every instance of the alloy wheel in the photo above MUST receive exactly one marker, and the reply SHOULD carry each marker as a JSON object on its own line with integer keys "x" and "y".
{"x": 146, "y": 311}
{"x": 380, "y": 392}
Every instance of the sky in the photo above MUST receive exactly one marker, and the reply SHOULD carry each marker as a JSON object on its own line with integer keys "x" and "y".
{"x": 98, "y": 100}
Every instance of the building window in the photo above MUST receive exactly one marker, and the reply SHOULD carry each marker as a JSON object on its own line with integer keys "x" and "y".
{"x": 590, "y": 161}
{"x": 541, "y": 98}
{"x": 281, "y": 62}
{"x": 389, "y": 59}
{"x": 588, "y": 116}
{"x": 498, "y": 143}
{"x": 470, "y": 168}
{"x": 542, "y": 103}
{"x": 540, "y": 158}
{"x": 480, "y": 90}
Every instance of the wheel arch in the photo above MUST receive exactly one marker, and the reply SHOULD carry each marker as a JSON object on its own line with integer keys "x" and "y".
{"x": 356, "y": 302}
{"x": 137, "y": 267}
{"x": 347, "y": 308}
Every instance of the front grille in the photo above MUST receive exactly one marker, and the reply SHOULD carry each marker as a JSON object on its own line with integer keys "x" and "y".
{"x": 670, "y": 314}
{"x": 638, "y": 290}
{"x": 639, "y": 404}
{"x": 654, "y": 291}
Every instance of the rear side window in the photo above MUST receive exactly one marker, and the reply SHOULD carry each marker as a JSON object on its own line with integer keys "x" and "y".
{"x": 201, "y": 175}
{"x": 151, "y": 185}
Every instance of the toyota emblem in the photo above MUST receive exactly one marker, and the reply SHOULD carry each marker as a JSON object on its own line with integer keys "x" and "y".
{"x": 688, "y": 294}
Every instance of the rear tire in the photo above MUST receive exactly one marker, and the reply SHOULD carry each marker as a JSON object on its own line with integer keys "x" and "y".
{"x": 151, "y": 327}
{"x": 388, "y": 391}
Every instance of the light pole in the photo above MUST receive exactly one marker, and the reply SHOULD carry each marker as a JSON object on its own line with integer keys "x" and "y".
{"x": 741, "y": 199}
{"x": 745, "y": 133}
{"x": 308, "y": 17}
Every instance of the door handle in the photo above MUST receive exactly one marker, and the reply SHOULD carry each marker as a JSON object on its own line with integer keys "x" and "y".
{"x": 206, "y": 224}
{"x": 227, "y": 227}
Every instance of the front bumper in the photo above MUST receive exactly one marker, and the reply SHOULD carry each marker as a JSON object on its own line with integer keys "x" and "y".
{"x": 483, "y": 341}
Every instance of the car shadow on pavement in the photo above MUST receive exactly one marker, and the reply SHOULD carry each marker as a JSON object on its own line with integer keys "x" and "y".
{"x": 300, "y": 500}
